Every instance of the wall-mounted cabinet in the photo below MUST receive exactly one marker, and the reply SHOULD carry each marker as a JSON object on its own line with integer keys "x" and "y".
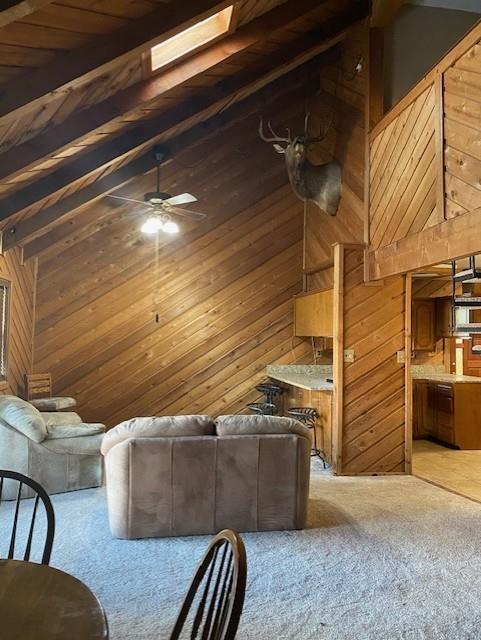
{"x": 443, "y": 310}
{"x": 313, "y": 314}
{"x": 431, "y": 320}
{"x": 423, "y": 325}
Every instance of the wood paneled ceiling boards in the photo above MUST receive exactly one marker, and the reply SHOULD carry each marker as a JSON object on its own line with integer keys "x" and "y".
{"x": 80, "y": 108}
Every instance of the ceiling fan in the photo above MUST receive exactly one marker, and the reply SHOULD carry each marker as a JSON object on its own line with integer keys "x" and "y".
{"x": 163, "y": 205}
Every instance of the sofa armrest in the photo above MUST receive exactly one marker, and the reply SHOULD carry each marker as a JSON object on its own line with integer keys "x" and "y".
{"x": 79, "y": 430}
{"x": 60, "y": 418}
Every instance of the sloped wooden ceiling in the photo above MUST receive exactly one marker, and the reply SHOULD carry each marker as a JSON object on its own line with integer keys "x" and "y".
{"x": 82, "y": 133}
{"x": 79, "y": 115}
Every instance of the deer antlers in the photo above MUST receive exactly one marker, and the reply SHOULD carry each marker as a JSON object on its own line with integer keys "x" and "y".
{"x": 288, "y": 140}
{"x": 275, "y": 137}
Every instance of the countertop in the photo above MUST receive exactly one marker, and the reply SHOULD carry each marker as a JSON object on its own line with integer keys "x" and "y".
{"x": 446, "y": 377}
{"x": 310, "y": 377}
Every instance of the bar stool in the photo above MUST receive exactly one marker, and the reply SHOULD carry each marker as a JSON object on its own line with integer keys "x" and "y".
{"x": 267, "y": 407}
{"x": 262, "y": 408}
{"x": 271, "y": 391}
{"x": 308, "y": 417}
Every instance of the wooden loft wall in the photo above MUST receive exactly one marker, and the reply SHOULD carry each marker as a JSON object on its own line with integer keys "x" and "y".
{"x": 21, "y": 326}
{"x": 191, "y": 331}
{"x": 402, "y": 193}
{"x": 344, "y": 92}
{"x": 371, "y": 412}
{"x": 425, "y": 167}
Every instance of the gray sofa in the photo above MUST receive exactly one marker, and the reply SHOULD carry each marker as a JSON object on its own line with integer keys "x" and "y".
{"x": 56, "y": 449}
{"x": 187, "y": 475}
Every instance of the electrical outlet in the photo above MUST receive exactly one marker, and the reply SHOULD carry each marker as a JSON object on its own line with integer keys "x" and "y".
{"x": 318, "y": 353}
{"x": 349, "y": 355}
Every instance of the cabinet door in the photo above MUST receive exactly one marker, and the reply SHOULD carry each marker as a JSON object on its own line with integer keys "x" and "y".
{"x": 443, "y": 317}
{"x": 420, "y": 429}
{"x": 423, "y": 314}
{"x": 445, "y": 413}
{"x": 430, "y": 422}
{"x": 313, "y": 314}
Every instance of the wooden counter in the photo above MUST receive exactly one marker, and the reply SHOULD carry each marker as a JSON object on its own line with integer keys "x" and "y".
{"x": 321, "y": 400}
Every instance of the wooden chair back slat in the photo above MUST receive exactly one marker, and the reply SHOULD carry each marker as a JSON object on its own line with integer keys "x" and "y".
{"x": 219, "y": 588}
{"x": 39, "y": 495}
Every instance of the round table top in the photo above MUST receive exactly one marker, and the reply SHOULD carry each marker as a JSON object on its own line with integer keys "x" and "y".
{"x": 38, "y": 602}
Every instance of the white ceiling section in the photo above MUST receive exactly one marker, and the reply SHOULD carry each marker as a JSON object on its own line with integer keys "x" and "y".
{"x": 474, "y": 6}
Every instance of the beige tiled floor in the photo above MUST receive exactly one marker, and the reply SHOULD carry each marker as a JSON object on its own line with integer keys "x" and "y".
{"x": 459, "y": 471}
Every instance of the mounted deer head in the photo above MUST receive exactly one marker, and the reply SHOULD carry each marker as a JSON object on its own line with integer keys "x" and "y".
{"x": 318, "y": 183}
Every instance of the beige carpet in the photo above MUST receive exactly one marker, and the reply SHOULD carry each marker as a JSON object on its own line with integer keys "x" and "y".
{"x": 388, "y": 558}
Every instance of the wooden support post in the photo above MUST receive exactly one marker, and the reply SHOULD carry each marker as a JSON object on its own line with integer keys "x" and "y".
{"x": 338, "y": 358}
{"x": 407, "y": 371}
{"x": 439, "y": 151}
{"x": 373, "y": 113}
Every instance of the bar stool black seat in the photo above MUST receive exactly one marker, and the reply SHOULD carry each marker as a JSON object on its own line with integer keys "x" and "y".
{"x": 308, "y": 416}
{"x": 270, "y": 391}
{"x": 262, "y": 408}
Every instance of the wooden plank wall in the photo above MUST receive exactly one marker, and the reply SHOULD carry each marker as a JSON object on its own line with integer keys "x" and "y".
{"x": 191, "y": 331}
{"x": 373, "y": 401}
{"x": 21, "y": 329}
{"x": 343, "y": 94}
{"x": 403, "y": 174}
{"x": 425, "y": 155}
{"x": 462, "y": 130}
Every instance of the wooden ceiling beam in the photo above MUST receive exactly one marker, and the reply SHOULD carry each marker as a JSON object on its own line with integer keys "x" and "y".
{"x": 159, "y": 128}
{"x": 32, "y": 232}
{"x": 446, "y": 241}
{"x": 25, "y": 156}
{"x": 16, "y": 10}
{"x": 81, "y": 65}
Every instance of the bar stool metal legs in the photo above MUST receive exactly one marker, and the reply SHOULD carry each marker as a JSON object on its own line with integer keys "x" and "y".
{"x": 267, "y": 407}
{"x": 308, "y": 416}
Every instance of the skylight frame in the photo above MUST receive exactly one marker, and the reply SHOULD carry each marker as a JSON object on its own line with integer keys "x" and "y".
{"x": 192, "y": 40}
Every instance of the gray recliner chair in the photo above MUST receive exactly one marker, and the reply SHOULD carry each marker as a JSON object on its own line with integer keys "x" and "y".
{"x": 56, "y": 449}
{"x": 188, "y": 475}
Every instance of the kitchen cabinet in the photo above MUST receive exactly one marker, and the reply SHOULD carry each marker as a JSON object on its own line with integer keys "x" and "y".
{"x": 423, "y": 325}
{"x": 420, "y": 408}
{"x": 313, "y": 314}
{"x": 448, "y": 412}
{"x": 443, "y": 312}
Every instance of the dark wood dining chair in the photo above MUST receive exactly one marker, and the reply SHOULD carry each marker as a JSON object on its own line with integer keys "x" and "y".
{"x": 40, "y": 495}
{"x": 213, "y": 604}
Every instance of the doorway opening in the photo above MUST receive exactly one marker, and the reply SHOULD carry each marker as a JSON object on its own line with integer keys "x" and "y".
{"x": 446, "y": 375}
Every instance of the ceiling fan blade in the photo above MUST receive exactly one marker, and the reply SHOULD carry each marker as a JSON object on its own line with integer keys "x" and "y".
{"x": 183, "y": 198}
{"x": 147, "y": 204}
{"x": 185, "y": 213}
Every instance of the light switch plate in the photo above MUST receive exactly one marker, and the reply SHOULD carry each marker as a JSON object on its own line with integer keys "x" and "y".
{"x": 348, "y": 355}
{"x": 401, "y": 357}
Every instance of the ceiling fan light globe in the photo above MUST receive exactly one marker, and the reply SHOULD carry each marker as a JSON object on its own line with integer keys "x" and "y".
{"x": 170, "y": 227}
{"x": 152, "y": 225}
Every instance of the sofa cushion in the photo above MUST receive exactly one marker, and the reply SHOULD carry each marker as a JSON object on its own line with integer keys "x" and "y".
{"x": 54, "y": 404}
{"x": 78, "y": 430}
{"x": 58, "y": 418}
{"x": 163, "y": 426}
{"x": 23, "y": 417}
{"x": 248, "y": 425}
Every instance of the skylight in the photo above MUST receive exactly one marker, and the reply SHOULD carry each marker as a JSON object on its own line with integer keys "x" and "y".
{"x": 191, "y": 39}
